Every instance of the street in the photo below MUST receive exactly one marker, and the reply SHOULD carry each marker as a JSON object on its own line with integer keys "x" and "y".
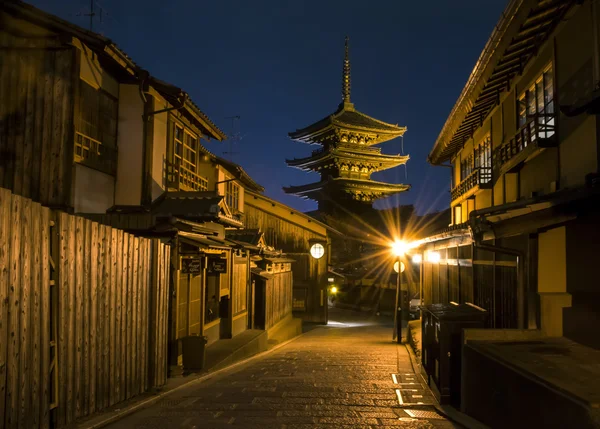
{"x": 338, "y": 376}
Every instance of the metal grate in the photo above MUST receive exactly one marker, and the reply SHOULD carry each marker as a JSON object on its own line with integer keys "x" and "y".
{"x": 420, "y": 414}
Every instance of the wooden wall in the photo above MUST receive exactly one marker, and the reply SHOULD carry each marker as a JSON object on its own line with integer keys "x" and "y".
{"x": 83, "y": 315}
{"x": 279, "y": 298}
{"x": 37, "y": 78}
{"x": 280, "y": 233}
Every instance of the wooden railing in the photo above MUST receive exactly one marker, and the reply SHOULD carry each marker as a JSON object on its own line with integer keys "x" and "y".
{"x": 183, "y": 179}
{"x": 539, "y": 131}
{"x": 94, "y": 154}
{"x": 481, "y": 177}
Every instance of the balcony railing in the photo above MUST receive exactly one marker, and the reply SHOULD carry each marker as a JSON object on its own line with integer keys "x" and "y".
{"x": 538, "y": 132}
{"x": 481, "y": 176}
{"x": 183, "y": 179}
{"x": 94, "y": 154}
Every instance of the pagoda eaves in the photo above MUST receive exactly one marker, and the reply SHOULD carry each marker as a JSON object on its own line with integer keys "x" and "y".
{"x": 347, "y": 157}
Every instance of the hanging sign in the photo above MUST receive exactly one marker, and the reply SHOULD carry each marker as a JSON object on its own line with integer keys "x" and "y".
{"x": 217, "y": 265}
{"x": 191, "y": 266}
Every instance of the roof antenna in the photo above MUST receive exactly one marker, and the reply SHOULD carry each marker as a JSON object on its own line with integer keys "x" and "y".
{"x": 235, "y": 135}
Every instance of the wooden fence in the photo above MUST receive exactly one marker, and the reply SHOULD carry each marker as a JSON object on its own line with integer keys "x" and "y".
{"x": 83, "y": 315}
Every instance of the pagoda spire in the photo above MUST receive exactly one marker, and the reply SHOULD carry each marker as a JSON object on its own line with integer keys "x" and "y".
{"x": 346, "y": 77}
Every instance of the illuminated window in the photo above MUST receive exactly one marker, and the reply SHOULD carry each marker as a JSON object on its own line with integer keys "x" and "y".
{"x": 232, "y": 195}
{"x": 482, "y": 159}
{"x": 537, "y": 104}
{"x": 466, "y": 167}
{"x": 186, "y": 152}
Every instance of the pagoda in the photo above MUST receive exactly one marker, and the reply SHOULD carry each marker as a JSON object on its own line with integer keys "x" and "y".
{"x": 347, "y": 157}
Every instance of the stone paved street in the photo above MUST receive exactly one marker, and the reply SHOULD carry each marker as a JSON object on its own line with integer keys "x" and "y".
{"x": 338, "y": 376}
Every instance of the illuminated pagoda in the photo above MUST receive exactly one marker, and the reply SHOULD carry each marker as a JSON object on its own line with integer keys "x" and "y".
{"x": 347, "y": 157}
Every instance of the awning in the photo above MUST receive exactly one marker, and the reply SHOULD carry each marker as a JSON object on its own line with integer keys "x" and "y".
{"x": 200, "y": 240}
{"x": 259, "y": 272}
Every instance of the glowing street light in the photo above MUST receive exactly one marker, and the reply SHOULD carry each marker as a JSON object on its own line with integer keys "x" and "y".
{"x": 333, "y": 290}
{"x": 399, "y": 247}
{"x": 317, "y": 251}
{"x": 433, "y": 257}
{"x": 401, "y": 265}
{"x": 417, "y": 258}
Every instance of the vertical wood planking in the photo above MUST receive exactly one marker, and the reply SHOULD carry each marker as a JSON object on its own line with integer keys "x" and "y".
{"x": 48, "y": 124}
{"x": 117, "y": 332}
{"x": 106, "y": 311}
{"x": 145, "y": 296}
{"x": 45, "y": 321}
{"x": 29, "y": 110}
{"x": 164, "y": 318}
{"x": 124, "y": 283}
{"x": 152, "y": 316}
{"x": 14, "y": 296}
{"x": 36, "y": 313}
{"x": 130, "y": 239}
{"x": 100, "y": 376}
{"x": 25, "y": 313}
{"x": 78, "y": 326}
{"x": 159, "y": 281}
{"x": 86, "y": 298}
{"x": 5, "y": 258}
{"x": 134, "y": 317}
{"x": 93, "y": 292}
{"x": 71, "y": 337}
{"x": 114, "y": 256}
{"x": 63, "y": 315}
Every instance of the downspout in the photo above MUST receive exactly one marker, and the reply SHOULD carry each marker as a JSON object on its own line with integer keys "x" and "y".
{"x": 476, "y": 227}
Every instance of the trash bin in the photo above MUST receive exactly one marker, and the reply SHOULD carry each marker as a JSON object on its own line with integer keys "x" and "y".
{"x": 442, "y": 343}
{"x": 193, "y": 352}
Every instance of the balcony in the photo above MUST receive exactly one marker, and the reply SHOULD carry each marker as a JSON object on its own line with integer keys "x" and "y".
{"x": 480, "y": 178}
{"x": 183, "y": 179}
{"x": 537, "y": 133}
{"x": 94, "y": 154}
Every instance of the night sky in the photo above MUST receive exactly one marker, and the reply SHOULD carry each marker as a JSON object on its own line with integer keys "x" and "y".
{"x": 278, "y": 63}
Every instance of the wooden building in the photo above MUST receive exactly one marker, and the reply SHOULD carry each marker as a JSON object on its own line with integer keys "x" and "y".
{"x": 295, "y": 233}
{"x": 523, "y": 145}
{"x": 347, "y": 157}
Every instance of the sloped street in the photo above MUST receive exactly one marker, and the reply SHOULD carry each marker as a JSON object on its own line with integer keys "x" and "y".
{"x": 348, "y": 374}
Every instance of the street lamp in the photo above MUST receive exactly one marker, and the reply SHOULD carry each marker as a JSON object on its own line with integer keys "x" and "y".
{"x": 399, "y": 248}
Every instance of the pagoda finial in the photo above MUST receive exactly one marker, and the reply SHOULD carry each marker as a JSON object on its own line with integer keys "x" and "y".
{"x": 346, "y": 77}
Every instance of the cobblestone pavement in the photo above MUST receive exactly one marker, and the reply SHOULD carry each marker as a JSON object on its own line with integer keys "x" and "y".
{"x": 335, "y": 376}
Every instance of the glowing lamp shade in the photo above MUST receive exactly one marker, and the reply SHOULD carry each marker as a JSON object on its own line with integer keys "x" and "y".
{"x": 417, "y": 258}
{"x": 433, "y": 257}
{"x": 402, "y": 267}
{"x": 399, "y": 247}
{"x": 317, "y": 251}
{"x": 333, "y": 289}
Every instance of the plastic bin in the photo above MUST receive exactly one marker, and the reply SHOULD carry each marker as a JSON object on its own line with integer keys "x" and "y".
{"x": 193, "y": 352}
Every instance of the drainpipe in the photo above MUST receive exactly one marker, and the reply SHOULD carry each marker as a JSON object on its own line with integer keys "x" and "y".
{"x": 475, "y": 226}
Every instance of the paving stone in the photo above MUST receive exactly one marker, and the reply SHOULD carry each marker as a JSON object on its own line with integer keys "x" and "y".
{"x": 334, "y": 378}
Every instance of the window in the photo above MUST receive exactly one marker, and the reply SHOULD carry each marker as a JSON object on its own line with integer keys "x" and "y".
{"x": 482, "y": 157}
{"x": 186, "y": 153}
{"x": 536, "y": 106}
{"x": 232, "y": 195}
{"x": 96, "y": 129}
{"x": 466, "y": 167}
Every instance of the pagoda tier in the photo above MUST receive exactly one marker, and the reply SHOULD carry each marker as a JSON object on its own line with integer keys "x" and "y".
{"x": 350, "y": 160}
{"x": 348, "y": 156}
{"x": 348, "y": 125}
{"x": 339, "y": 188}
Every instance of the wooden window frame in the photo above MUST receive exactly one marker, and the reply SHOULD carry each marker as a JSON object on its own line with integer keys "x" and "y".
{"x": 186, "y": 168}
{"x": 532, "y": 103}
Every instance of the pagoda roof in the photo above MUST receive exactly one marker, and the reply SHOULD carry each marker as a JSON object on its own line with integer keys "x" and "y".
{"x": 346, "y": 184}
{"x": 320, "y": 157}
{"x": 346, "y": 117}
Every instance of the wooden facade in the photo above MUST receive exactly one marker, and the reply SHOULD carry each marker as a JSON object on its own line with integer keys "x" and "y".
{"x": 37, "y": 77}
{"x": 83, "y": 315}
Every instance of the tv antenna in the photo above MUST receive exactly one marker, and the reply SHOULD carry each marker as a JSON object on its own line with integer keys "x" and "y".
{"x": 235, "y": 135}
{"x": 96, "y": 10}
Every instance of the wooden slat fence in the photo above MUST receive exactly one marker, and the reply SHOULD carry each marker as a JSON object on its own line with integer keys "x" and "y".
{"x": 278, "y": 297}
{"x": 100, "y": 338}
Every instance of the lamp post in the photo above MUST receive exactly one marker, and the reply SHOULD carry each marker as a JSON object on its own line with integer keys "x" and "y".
{"x": 398, "y": 249}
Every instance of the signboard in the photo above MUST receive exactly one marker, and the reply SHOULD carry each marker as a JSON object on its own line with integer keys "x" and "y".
{"x": 217, "y": 265}
{"x": 191, "y": 266}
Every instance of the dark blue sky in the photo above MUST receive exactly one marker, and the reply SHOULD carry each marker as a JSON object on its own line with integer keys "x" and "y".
{"x": 278, "y": 65}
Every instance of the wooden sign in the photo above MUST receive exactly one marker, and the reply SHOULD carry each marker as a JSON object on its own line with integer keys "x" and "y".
{"x": 191, "y": 266}
{"x": 217, "y": 265}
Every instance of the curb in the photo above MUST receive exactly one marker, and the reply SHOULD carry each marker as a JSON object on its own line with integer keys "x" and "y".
{"x": 143, "y": 403}
{"x": 448, "y": 412}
